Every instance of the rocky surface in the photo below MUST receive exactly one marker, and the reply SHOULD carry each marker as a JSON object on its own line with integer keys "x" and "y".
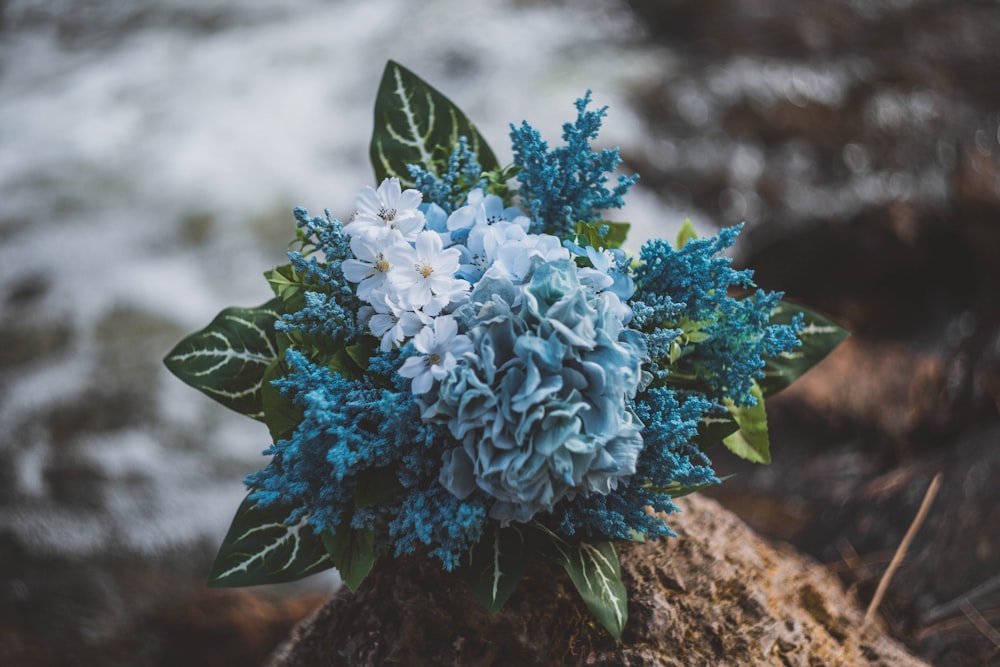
{"x": 717, "y": 594}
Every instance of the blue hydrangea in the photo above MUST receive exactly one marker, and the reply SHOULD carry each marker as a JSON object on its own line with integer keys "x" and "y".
{"x": 567, "y": 185}
{"x": 541, "y": 407}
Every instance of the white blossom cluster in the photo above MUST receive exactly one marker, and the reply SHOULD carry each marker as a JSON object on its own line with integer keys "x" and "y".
{"x": 414, "y": 265}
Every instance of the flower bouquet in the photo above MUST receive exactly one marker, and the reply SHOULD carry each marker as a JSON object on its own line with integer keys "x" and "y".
{"x": 473, "y": 368}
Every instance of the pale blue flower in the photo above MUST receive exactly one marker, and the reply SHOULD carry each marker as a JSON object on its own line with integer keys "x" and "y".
{"x": 541, "y": 405}
{"x": 440, "y": 346}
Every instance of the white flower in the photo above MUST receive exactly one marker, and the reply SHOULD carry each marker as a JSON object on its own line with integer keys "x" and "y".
{"x": 424, "y": 275}
{"x": 388, "y": 207}
{"x": 369, "y": 267}
{"x": 440, "y": 350}
{"x": 394, "y": 323}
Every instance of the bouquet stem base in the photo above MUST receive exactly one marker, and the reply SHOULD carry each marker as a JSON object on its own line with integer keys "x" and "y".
{"x": 717, "y": 595}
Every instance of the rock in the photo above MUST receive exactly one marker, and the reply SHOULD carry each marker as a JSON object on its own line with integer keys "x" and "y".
{"x": 716, "y": 594}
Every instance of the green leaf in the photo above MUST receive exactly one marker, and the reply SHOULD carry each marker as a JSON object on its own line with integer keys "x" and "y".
{"x": 361, "y": 352}
{"x": 288, "y": 287}
{"x": 678, "y": 490}
{"x": 589, "y": 233}
{"x": 819, "y": 337}
{"x": 260, "y": 549}
{"x": 497, "y": 563}
{"x": 595, "y": 571}
{"x": 751, "y": 441}
{"x": 375, "y": 486}
{"x": 686, "y": 234}
{"x": 352, "y": 552}
{"x": 715, "y": 428}
{"x": 281, "y": 415}
{"x": 227, "y": 359}
{"x": 416, "y": 124}
{"x": 344, "y": 362}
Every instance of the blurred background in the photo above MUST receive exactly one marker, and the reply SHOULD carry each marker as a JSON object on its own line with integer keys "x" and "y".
{"x": 150, "y": 155}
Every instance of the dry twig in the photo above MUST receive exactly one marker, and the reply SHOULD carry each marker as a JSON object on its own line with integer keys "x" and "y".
{"x": 883, "y": 583}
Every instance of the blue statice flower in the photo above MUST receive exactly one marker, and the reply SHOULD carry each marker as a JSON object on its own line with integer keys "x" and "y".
{"x": 330, "y": 304}
{"x": 565, "y": 186}
{"x": 693, "y": 285}
{"x": 448, "y": 189}
{"x": 348, "y": 429}
{"x": 436, "y": 518}
{"x": 540, "y": 406}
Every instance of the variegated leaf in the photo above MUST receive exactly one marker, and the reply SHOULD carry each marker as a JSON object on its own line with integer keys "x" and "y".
{"x": 227, "y": 359}
{"x": 261, "y": 549}
{"x": 416, "y": 124}
{"x": 496, "y": 565}
{"x": 596, "y": 573}
{"x": 819, "y": 337}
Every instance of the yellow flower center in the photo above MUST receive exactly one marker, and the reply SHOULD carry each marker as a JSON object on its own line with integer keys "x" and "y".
{"x": 381, "y": 264}
{"x": 425, "y": 270}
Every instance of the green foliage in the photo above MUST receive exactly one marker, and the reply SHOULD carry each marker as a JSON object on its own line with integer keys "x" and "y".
{"x": 819, "y": 337}
{"x": 594, "y": 569}
{"x": 352, "y": 552}
{"x": 260, "y": 549}
{"x": 497, "y": 563}
{"x": 686, "y": 234}
{"x": 416, "y": 124}
{"x": 613, "y": 236}
{"x": 750, "y": 441}
{"x": 288, "y": 287}
{"x": 281, "y": 415}
{"x": 227, "y": 359}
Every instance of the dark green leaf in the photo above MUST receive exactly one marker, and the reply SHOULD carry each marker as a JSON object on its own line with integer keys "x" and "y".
{"x": 260, "y": 549}
{"x": 713, "y": 429}
{"x": 416, "y": 124}
{"x": 594, "y": 569}
{"x": 281, "y": 415}
{"x": 361, "y": 352}
{"x": 819, "y": 336}
{"x": 352, "y": 552}
{"x": 496, "y": 564}
{"x": 375, "y": 486}
{"x": 227, "y": 359}
{"x": 750, "y": 441}
{"x": 344, "y": 363}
